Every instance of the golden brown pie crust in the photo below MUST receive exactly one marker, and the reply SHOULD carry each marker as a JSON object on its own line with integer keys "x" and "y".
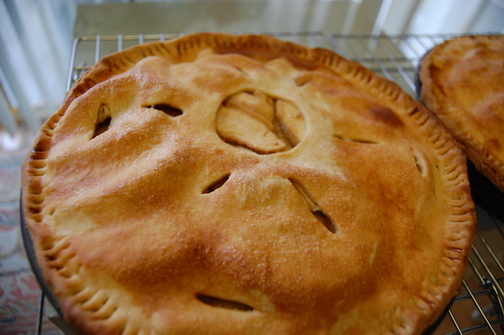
{"x": 462, "y": 81}
{"x": 221, "y": 184}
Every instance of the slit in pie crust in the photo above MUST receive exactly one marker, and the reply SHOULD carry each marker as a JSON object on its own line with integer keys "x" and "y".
{"x": 245, "y": 185}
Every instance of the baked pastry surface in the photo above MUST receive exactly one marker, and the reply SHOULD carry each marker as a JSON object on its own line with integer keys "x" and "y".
{"x": 462, "y": 81}
{"x": 221, "y": 184}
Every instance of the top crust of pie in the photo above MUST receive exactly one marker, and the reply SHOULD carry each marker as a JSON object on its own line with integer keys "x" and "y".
{"x": 462, "y": 81}
{"x": 245, "y": 185}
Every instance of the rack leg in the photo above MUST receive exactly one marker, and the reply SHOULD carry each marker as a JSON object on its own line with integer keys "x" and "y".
{"x": 40, "y": 313}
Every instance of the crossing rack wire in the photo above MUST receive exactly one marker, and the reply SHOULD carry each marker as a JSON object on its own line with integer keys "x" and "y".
{"x": 478, "y": 306}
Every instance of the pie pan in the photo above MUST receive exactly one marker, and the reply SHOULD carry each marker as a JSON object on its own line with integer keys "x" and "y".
{"x": 30, "y": 254}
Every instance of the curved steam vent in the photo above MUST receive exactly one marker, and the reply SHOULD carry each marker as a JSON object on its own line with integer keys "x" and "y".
{"x": 224, "y": 303}
{"x": 167, "y": 109}
{"x": 314, "y": 207}
{"x": 260, "y": 123}
{"x": 103, "y": 120}
{"x": 216, "y": 185}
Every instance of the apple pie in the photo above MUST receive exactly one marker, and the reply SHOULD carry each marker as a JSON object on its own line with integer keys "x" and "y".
{"x": 240, "y": 184}
{"x": 462, "y": 81}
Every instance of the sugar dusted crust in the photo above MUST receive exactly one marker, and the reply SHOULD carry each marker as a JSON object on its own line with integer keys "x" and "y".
{"x": 462, "y": 81}
{"x": 245, "y": 185}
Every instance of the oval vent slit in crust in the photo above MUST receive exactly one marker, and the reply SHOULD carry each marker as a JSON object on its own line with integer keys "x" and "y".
{"x": 419, "y": 162}
{"x": 216, "y": 185}
{"x": 223, "y": 303}
{"x": 314, "y": 207}
{"x": 167, "y": 109}
{"x": 103, "y": 120}
{"x": 325, "y": 220}
{"x": 355, "y": 140}
{"x": 102, "y": 126}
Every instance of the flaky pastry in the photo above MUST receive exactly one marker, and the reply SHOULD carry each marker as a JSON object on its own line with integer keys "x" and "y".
{"x": 222, "y": 184}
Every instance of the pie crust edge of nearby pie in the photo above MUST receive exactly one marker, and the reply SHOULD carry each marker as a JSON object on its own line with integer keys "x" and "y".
{"x": 451, "y": 113}
{"x": 459, "y": 231}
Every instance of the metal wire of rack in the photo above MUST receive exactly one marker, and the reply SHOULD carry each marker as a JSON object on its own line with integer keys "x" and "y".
{"x": 478, "y": 306}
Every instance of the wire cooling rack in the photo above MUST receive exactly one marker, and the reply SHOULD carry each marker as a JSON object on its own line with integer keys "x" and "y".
{"x": 394, "y": 57}
{"x": 478, "y": 307}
